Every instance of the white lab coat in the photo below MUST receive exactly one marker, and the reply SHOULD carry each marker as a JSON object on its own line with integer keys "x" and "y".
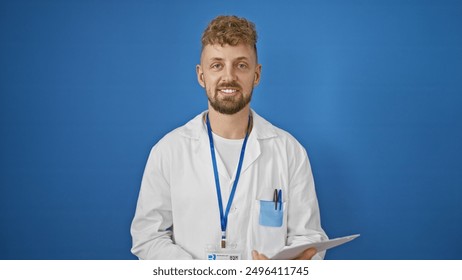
{"x": 177, "y": 215}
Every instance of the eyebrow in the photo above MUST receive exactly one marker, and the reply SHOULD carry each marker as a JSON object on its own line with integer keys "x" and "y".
{"x": 237, "y": 58}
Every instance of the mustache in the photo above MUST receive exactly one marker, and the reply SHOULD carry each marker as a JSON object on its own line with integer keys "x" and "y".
{"x": 230, "y": 85}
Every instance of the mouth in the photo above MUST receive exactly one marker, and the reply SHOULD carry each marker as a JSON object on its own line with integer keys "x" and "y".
{"x": 228, "y": 91}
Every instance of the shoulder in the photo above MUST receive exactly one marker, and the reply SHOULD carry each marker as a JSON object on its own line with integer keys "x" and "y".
{"x": 266, "y": 130}
{"x": 190, "y": 132}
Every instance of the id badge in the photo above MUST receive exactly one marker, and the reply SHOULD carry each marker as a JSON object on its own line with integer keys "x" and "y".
{"x": 215, "y": 253}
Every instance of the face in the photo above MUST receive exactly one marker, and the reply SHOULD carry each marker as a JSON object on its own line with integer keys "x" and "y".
{"x": 228, "y": 74}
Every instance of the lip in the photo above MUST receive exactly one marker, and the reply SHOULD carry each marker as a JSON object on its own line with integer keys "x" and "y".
{"x": 228, "y": 91}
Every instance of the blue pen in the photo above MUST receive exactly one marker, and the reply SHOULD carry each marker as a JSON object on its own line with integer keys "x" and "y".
{"x": 280, "y": 199}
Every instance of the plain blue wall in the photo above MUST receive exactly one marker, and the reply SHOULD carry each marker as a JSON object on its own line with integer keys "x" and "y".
{"x": 372, "y": 89}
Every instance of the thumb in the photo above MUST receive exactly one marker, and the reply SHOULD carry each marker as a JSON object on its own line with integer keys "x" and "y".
{"x": 258, "y": 256}
{"x": 307, "y": 254}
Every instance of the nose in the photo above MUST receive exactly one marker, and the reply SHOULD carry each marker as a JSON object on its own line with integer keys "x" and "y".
{"x": 229, "y": 74}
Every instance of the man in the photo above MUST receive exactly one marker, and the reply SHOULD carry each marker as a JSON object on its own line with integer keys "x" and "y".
{"x": 228, "y": 184}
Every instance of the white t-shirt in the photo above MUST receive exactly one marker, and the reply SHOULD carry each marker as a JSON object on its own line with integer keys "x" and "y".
{"x": 229, "y": 151}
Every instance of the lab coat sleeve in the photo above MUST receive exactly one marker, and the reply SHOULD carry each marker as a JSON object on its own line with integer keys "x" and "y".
{"x": 152, "y": 225}
{"x": 303, "y": 220}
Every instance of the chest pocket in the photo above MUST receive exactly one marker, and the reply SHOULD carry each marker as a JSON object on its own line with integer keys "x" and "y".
{"x": 269, "y": 226}
{"x": 271, "y": 214}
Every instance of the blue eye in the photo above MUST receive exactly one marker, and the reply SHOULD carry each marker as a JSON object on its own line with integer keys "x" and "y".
{"x": 242, "y": 66}
{"x": 216, "y": 66}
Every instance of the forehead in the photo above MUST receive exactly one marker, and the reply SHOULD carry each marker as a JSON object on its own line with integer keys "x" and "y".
{"x": 228, "y": 52}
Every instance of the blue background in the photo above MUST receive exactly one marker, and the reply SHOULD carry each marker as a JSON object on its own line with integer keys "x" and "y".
{"x": 372, "y": 89}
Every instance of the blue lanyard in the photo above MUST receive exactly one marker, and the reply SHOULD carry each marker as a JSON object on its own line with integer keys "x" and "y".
{"x": 224, "y": 216}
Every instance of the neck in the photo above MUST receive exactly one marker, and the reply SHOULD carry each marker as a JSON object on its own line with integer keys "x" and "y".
{"x": 230, "y": 126}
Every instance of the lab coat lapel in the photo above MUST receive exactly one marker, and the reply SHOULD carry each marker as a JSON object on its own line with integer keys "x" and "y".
{"x": 261, "y": 130}
{"x": 252, "y": 152}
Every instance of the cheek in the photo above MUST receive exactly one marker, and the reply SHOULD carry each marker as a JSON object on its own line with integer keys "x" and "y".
{"x": 210, "y": 80}
{"x": 209, "y": 86}
{"x": 249, "y": 81}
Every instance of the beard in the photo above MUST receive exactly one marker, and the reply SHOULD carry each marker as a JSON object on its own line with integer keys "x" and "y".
{"x": 229, "y": 105}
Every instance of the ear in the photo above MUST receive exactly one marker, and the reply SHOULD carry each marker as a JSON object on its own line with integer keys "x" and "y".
{"x": 200, "y": 76}
{"x": 257, "y": 75}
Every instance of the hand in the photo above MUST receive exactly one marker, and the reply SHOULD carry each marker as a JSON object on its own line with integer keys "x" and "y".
{"x": 305, "y": 255}
{"x": 258, "y": 256}
{"x": 308, "y": 254}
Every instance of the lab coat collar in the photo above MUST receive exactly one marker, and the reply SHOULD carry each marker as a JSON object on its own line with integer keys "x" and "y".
{"x": 261, "y": 130}
{"x": 197, "y": 129}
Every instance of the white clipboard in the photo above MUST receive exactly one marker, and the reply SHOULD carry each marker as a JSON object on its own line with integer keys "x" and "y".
{"x": 292, "y": 252}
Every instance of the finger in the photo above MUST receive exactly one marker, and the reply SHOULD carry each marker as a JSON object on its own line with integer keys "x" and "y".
{"x": 263, "y": 257}
{"x": 307, "y": 254}
{"x": 254, "y": 255}
{"x": 258, "y": 256}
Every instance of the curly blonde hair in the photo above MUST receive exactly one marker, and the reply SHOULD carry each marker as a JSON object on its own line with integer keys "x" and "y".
{"x": 230, "y": 30}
